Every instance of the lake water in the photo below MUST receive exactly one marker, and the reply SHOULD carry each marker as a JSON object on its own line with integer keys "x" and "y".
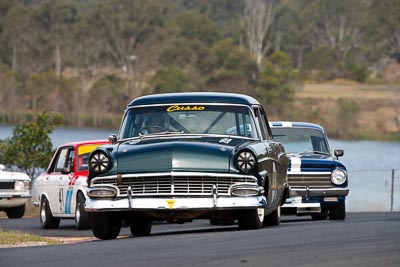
{"x": 369, "y": 163}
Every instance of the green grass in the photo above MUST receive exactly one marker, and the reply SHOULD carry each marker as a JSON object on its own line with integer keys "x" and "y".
{"x": 12, "y": 238}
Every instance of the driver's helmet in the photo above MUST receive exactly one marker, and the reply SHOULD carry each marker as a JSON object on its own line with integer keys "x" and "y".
{"x": 155, "y": 120}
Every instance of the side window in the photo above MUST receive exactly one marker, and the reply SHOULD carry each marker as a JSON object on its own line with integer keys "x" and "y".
{"x": 261, "y": 121}
{"x": 65, "y": 158}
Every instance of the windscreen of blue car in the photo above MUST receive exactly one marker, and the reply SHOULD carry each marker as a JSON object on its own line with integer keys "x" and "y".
{"x": 300, "y": 140}
{"x": 189, "y": 119}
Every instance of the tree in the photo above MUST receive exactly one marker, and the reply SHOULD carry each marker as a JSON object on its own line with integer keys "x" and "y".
{"x": 24, "y": 52}
{"x": 337, "y": 24}
{"x": 292, "y": 35}
{"x": 10, "y": 92}
{"x": 387, "y": 13}
{"x": 274, "y": 86}
{"x": 122, "y": 25}
{"x": 56, "y": 20}
{"x": 107, "y": 97}
{"x": 30, "y": 147}
{"x": 46, "y": 90}
{"x": 193, "y": 25}
{"x": 235, "y": 68}
{"x": 256, "y": 23}
{"x": 169, "y": 80}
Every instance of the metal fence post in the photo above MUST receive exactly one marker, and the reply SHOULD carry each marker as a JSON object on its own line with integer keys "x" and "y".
{"x": 392, "y": 192}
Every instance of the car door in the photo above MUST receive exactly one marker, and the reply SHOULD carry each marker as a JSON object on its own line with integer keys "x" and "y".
{"x": 59, "y": 180}
{"x": 277, "y": 165}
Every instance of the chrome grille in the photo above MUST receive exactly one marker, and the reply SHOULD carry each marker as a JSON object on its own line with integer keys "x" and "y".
{"x": 312, "y": 180}
{"x": 159, "y": 185}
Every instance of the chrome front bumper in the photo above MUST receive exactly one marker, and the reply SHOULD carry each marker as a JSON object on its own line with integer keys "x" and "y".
{"x": 319, "y": 192}
{"x": 301, "y": 208}
{"x": 13, "y": 200}
{"x": 160, "y": 204}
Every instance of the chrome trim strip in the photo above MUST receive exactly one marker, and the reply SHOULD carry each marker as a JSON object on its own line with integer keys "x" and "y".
{"x": 305, "y": 173}
{"x": 312, "y": 192}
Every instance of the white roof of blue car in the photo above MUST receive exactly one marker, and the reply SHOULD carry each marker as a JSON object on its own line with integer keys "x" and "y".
{"x": 295, "y": 124}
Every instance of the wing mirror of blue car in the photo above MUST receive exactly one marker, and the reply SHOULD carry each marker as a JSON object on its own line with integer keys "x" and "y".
{"x": 112, "y": 138}
{"x": 339, "y": 153}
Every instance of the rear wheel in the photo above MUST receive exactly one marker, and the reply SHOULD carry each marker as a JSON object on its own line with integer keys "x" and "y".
{"x": 141, "y": 227}
{"x": 82, "y": 219}
{"x": 106, "y": 225}
{"x": 337, "y": 212}
{"x": 47, "y": 221}
{"x": 251, "y": 219}
{"x": 274, "y": 218}
{"x": 16, "y": 212}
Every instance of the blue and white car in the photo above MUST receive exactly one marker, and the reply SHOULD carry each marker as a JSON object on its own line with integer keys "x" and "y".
{"x": 318, "y": 180}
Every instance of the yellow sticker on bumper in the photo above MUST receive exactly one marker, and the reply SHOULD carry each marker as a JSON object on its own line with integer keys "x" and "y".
{"x": 171, "y": 203}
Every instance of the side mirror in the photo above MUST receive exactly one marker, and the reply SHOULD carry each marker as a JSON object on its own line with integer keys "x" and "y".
{"x": 339, "y": 153}
{"x": 65, "y": 170}
{"x": 112, "y": 138}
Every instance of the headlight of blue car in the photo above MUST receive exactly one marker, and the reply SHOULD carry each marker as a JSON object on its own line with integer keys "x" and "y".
{"x": 246, "y": 161}
{"x": 339, "y": 176}
{"x": 99, "y": 162}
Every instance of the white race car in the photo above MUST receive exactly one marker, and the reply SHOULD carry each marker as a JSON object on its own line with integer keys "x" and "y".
{"x": 15, "y": 190}
{"x": 60, "y": 191}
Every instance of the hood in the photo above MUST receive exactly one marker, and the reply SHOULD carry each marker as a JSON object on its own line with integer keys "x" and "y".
{"x": 173, "y": 156}
{"x": 12, "y": 176}
{"x": 312, "y": 162}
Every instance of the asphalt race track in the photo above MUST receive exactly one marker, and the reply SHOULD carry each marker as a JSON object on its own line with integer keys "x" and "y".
{"x": 363, "y": 239}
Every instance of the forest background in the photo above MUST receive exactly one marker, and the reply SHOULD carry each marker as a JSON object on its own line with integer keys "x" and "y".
{"x": 331, "y": 62}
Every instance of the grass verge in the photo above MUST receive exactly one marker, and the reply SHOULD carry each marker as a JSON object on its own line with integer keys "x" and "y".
{"x": 21, "y": 239}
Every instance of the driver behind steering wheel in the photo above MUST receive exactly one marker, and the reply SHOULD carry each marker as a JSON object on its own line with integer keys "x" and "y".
{"x": 155, "y": 123}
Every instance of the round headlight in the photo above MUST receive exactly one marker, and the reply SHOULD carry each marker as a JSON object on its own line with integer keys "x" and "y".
{"x": 99, "y": 162}
{"x": 339, "y": 176}
{"x": 246, "y": 161}
{"x": 19, "y": 186}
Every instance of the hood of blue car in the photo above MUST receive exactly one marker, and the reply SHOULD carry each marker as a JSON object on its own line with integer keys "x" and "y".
{"x": 173, "y": 156}
{"x": 310, "y": 162}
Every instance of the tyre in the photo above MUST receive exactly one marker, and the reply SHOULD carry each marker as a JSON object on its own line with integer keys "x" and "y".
{"x": 47, "y": 221}
{"x": 106, "y": 225}
{"x": 274, "y": 218}
{"x": 16, "y": 212}
{"x": 337, "y": 212}
{"x": 141, "y": 227}
{"x": 82, "y": 218}
{"x": 323, "y": 215}
{"x": 251, "y": 219}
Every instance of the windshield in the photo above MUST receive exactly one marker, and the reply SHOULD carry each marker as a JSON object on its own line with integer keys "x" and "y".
{"x": 299, "y": 140}
{"x": 190, "y": 119}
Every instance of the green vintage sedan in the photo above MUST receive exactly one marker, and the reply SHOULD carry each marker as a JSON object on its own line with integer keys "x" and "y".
{"x": 185, "y": 156}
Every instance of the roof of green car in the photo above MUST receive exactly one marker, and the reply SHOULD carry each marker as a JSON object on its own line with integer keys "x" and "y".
{"x": 194, "y": 97}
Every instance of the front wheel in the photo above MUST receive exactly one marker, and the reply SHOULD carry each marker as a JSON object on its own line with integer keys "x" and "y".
{"x": 47, "y": 221}
{"x": 16, "y": 212}
{"x": 251, "y": 219}
{"x": 106, "y": 225}
{"x": 320, "y": 216}
{"x": 274, "y": 218}
{"x": 82, "y": 219}
{"x": 338, "y": 212}
{"x": 141, "y": 227}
